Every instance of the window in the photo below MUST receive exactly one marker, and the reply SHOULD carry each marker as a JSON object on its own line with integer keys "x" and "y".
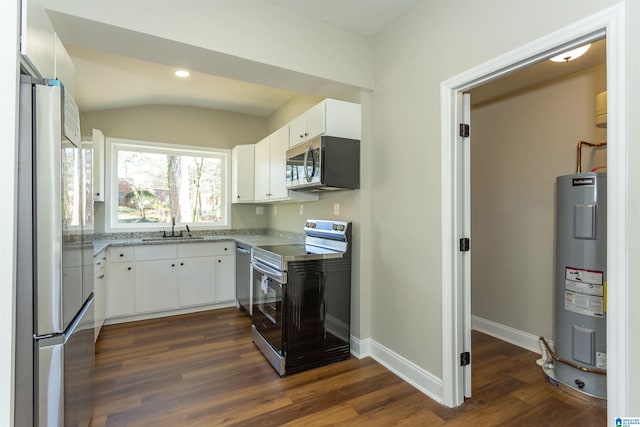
{"x": 153, "y": 183}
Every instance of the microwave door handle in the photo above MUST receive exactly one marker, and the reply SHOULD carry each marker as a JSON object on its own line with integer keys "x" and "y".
{"x": 316, "y": 161}
{"x": 304, "y": 166}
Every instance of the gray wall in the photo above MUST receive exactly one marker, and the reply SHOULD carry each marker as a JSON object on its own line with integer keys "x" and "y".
{"x": 434, "y": 41}
{"x": 519, "y": 145}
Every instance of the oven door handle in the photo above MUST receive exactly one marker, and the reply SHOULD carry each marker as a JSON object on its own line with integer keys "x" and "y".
{"x": 271, "y": 272}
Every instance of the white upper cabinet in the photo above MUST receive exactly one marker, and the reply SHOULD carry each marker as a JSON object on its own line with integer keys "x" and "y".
{"x": 37, "y": 39}
{"x": 278, "y": 165}
{"x": 330, "y": 117}
{"x": 97, "y": 138}
{"x": 271, "y": 170}
{"x": 262, "y": 170}
{"x": 242, "y": 173}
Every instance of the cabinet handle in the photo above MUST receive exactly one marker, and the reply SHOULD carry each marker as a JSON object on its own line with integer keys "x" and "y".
{"x": 219, "y": 260}
{"x": 101, "y": 276}
{"x": 128, "y": 268}
{"x": 173, "y": 265}
{"x": 301, "y": 136}
{"x": 225, "y": 249}
{"x": 182, "y": 263}
{"x": 121, "y": 255}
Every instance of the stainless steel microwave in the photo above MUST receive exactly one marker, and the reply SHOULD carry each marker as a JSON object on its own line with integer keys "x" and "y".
{"x": 324, "y": 163}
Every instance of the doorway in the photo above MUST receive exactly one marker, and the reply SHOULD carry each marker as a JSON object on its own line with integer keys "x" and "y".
{"x": 521, "y": 141}
{"x": 456, "y": 286}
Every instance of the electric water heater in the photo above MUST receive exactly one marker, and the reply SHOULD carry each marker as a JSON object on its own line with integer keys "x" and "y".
{"x": 581, "y": 282}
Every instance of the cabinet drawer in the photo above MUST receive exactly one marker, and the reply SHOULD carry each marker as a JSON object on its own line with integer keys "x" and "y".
{"x": 121, "y": 254}
{"x": 188, "y": 250}
{"x": 155, "y": 252}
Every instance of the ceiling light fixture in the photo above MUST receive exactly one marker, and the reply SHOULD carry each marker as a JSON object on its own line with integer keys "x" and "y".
{"x": 572, "y": 54}
{"x": 182, "y": 73}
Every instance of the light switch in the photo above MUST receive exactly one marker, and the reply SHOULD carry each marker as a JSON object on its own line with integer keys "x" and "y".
{"x": 301, "y": 209}
{"x": 336, "y": 209}
{"x": 259, "y": 210}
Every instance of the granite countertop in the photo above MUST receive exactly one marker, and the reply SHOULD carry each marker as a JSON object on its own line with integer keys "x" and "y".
{"x": 261, "y": 239}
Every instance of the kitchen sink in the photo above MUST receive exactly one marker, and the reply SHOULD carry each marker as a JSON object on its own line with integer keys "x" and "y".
{"x": 171, "y": 239}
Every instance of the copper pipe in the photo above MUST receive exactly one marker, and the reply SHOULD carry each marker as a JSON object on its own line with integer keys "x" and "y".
{"x": 573, "y": 365}
{"x": 589, "y": 144}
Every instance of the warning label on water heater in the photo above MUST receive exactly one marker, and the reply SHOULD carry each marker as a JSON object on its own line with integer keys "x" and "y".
{"x": 584, "y": 292}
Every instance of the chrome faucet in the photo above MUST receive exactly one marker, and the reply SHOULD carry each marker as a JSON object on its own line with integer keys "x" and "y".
{"x": 173, "y": 228}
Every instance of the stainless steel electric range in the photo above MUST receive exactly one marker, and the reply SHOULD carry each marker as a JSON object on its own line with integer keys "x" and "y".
{"x": 302, "y": 298}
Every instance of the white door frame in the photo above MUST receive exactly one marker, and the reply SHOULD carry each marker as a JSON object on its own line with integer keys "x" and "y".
{"x": 609, "y": 22}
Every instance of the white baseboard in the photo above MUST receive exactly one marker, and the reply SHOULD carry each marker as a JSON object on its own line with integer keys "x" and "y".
{"x": 506, "y": 333}
{"x": 421, "y": 379}
{"x": 175, "y": 312}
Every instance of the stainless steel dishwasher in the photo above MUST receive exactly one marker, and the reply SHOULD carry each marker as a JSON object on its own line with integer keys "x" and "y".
{"x": 243, "y": 277}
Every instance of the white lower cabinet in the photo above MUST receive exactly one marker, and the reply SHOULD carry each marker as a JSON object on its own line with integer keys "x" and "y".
{"x": 196, "y": 281}
{"x": 156, "y": 285}
{"x": 225, "y": 275}
{"x": 121, "y": 278}
{"x": 100, "y": 290}
{"x": 170, "y": 277}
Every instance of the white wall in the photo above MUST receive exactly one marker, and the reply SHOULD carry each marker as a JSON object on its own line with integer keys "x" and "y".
{"x": 186, "y": 126}
{"x": 519, "y": 145}
{"x": 633, "y": 136}
{"x": 434, "y": 41}
{"x": 9, "y": 28}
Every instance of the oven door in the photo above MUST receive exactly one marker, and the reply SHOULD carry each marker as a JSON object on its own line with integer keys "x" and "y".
{"x": 268, "y": 292}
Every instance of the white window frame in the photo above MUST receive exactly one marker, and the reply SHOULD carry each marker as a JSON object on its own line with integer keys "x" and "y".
{"x": 111, "y": 188}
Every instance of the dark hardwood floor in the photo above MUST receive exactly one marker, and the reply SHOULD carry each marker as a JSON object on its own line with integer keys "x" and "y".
{"x": 203, "y": 370}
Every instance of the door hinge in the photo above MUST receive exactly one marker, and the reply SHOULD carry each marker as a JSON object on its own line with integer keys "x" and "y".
{"x": 465, "y": 358}
{"x": 465, "y": 244}
{"x": 464, "y": 130}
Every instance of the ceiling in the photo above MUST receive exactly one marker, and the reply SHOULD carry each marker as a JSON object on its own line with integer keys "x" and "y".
{"x": 106, "y": 80}
{"x": 537, "y": 74}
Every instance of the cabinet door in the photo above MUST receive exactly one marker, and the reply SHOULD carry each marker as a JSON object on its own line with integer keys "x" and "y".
{"x": 278, "y": 167}
{"x": 100, "y": 302}
{"x": 156, "y": 285}
{"x": 120, "y": 290}
{"x": 242, "y": 173}
{"x": 225, "y": 278}
{"x": 315, "y": 121}
{"x": 196, "y": 280}
{"x": 297, "y": 131}
{"x": 262, "y": 161}
{"x": 98, "y": 165}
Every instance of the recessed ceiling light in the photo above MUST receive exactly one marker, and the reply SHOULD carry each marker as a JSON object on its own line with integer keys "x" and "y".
{"x": 182, "y": 73}
{"x": 572, "y": 54}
